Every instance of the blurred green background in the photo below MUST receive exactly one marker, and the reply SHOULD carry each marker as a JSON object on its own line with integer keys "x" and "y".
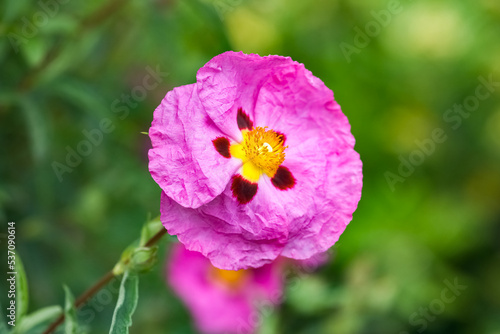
{"x": 66, "y": 66}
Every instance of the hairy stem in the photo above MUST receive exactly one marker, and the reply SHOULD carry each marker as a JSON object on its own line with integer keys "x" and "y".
{"x": 99, "y": 285}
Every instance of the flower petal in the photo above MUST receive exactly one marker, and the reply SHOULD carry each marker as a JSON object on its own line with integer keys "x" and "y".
{"x": 320, "y": 155}
{"x": 183, "y": 160}
{"x": 215, "y": 310}
{"x": 231, "y": 81}
{"x": 300, "y": 106}
{"x": 232, "y": 236}
{"x": 326, "y": 194}
{"x": 342, "y": 188}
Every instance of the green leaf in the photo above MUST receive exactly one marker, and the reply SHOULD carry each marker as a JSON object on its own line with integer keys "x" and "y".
{"x": 35, "y": 50}
{"x": 70, "y": 320}
{"x": 136, "y": 257}
{"x": 38, "y": 320}
{"x": 126, "y": 304}
{"x": 3, "y": 323}
{"x": 37, "y": 128}
{"x": 150, "y": 228}
{"x": 22, "y": 299}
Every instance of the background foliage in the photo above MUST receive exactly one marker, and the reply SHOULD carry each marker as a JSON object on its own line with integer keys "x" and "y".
{"x": 442, "y": 223}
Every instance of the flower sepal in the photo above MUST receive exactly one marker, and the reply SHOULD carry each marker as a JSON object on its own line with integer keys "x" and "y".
{"x": 138, "y": 257}
{"x": 139, "y": 260}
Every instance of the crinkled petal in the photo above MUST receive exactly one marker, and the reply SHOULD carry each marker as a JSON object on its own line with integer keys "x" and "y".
{"x": 325, "y": 197}
{"x": 263, "y": 218}
{"x": 342, "y": 188}
{"x": 320, "y": 156}
{"x": 217, "y": 234}
{"x": 183, "y": 160}
{"x": 231, "y": 81}
{"x": 299, "y": 105}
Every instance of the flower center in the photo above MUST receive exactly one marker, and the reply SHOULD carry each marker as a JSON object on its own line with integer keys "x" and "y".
{"x": 264, "y": 148}
{"x": 229, "y": 278}
{"x": 261, "y": 151}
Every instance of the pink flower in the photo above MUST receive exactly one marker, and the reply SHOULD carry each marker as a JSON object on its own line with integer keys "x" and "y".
{"x": 255, "y": 160}
{"x": 222, "y": 301}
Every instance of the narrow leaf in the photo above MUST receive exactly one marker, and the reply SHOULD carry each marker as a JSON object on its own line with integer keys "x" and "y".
{"x": 70, "y": 320}
{"x": 37, "y": 128}
{"x": 38, "y": 320}
{"x": 22, "y": 299}
{"x": 126, "y": 304}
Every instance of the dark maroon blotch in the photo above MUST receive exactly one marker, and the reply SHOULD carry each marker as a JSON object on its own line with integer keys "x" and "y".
{"x": 244, "y": 121}
{"x": 283, "y": 179}
{"x": 243, "y": 190}
{"x": 283, "y": 137}
{"x": 222, "y": 144}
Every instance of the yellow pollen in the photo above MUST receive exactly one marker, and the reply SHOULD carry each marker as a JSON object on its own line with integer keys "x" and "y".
{"x": 264, "y": 148}
{"x": 261, "y": 151}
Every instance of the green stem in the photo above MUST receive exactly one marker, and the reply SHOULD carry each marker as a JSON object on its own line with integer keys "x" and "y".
{"x": 100, "y": 284}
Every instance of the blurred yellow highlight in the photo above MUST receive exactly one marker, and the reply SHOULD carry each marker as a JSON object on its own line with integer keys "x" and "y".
{"x": 229, "y": 278}
{"x": 251, "y": 33}
{"x": 432, "y": 30}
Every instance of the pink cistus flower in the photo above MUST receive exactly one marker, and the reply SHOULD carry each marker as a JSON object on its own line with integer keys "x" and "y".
{"x": 255, "y": 160}
{"x": 223, "y": 301}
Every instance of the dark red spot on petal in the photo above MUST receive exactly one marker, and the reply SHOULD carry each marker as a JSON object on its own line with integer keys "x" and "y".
{"x": 222, "y": 144}
{"x": 283, "y": 179}
{"x": 243, "y": 190}
{"x": 282, "y": 136}
{"x": 244, "y": 121}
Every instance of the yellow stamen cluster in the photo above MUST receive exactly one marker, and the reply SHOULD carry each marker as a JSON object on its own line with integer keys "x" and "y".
{"x": 264, "y": 148}
{"x": 229, "y": 278}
